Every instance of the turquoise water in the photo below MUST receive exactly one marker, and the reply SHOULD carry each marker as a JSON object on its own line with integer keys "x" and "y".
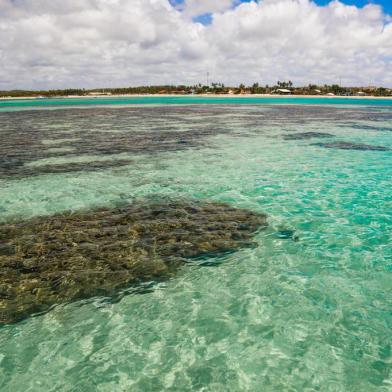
{"x": 176, "y": 100}
{"x": 312, "y": 314}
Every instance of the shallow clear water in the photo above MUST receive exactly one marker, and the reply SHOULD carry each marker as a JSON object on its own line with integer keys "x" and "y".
{"x": 309, "y": 311}
{"x": 19, "y": 104}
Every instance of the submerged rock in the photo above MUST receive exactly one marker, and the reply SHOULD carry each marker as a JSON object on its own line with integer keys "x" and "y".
{"x": 363, "y": 127}
{"x": 122, "y": 134}
{"x": 287, "y": 234}
{"x": 307, "y": 135}
{"x": 50, "y": 260}
{"x": 352, "y": 146}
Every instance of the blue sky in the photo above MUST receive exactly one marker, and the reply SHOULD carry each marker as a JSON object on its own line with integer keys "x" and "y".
{"x": 48, "y": 44}
{"x": 386, "y": 4}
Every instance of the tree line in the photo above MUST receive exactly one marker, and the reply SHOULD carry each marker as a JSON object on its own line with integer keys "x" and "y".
{"x": 214, "y": 88}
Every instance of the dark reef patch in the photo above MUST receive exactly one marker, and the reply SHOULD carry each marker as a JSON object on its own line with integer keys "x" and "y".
{"x": 51, "y": 260}
{"x": 341, "y": 145}
{"x": 363, "y": 127}
{"x": 307, "y": 135}
{"x": 76, "y": 166}
{"x": 29, "y": 136}
{"x": 287, "y": 234}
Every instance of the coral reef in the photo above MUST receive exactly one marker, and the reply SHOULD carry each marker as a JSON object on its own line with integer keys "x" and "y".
{"x": 50, "y": 260}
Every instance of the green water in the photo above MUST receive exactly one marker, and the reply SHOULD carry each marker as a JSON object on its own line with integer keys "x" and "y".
{"x": 307, "y": 315}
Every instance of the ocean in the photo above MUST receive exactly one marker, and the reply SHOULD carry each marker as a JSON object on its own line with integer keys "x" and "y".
{"x": 301, "y": 303}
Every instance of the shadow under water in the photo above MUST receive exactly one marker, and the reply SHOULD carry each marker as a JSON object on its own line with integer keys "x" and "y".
{"x": 307, "y": 135}
{"x": 65, "y": 257}
{"x": 342, "y": 145}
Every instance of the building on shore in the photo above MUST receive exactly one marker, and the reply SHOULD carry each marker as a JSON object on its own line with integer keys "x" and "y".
{"x": 98, "y": 93}
{"x": 282, "y": 91}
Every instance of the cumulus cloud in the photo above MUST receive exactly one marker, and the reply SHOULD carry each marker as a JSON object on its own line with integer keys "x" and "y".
{"x": 94, "y": 43}
{"x": 194, "y": 8}
{"x": 295, "y": 39}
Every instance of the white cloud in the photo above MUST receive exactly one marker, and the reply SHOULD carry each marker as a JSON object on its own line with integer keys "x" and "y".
{"x": 90, "y": 43}
{"x": 192, "y": 8}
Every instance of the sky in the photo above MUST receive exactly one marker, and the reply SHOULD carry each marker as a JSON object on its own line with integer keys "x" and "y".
{"x": 385, "y": 4}
{"x": 116, "y": 43}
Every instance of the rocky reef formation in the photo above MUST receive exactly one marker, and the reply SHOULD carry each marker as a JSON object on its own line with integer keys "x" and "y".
{"x": 307, "y": 135}
{"x": 40, "y": 142}
{"x": 50, "y": 260}
{"x": 342, "y": 145}
{"x": 365, "y": 127}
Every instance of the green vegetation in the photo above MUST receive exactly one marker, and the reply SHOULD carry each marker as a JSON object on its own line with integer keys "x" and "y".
{"x": 214, "y": 88}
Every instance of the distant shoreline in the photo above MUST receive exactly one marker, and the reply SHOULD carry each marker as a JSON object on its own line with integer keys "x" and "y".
{"x": 196, "y": 95}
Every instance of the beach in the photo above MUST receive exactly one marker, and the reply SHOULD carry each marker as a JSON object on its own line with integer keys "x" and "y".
{"x": 204, "y": 96}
